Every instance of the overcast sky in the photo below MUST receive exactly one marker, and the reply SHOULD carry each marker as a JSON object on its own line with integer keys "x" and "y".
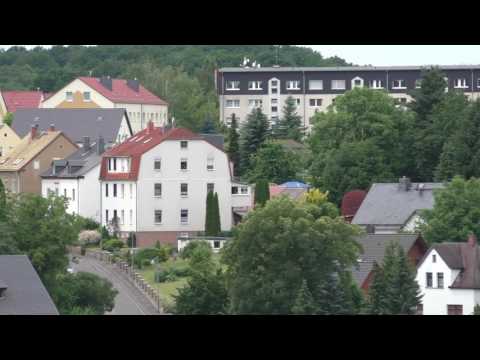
{"x": 391, "y": 55}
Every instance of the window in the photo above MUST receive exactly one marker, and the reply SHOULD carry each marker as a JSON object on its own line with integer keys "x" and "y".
{"x": 36, "y": 164}
{"x": 418, "y": 83}
{"x": 184, "y": 189}
{"x": 455, "y": 309}
{"x": 73, "y": 194}
{"x": 376, "y": 84}
{"x": 434, "y": 258}
{"x": 210, "y": 187}
{"x": 234, "y": 190}
{"x": 255, "y": 103}
{"x": 478, "y": 83}
{"x": 429, "y": 280}
{"x": 131, "y": 217}
{"x": 293, "y": 85}
{"x": 106, "y": 216}
{"x": 86, "y": 95}
{"x": 158, "y": 190}
{"x": 297, "y": 102}
{"x": 357, "y": 82}
{"x": 315, "y": 102}
{"x": 274, "y": 90}
{"x": 184, "y": 216}
{"x": 446, "y": 80}
{"x": 232, "y": 104}
{"x": 216, "y": 244}
{"x": 131, "y": 191}
{"x": 65, "y": 192}
{"x": 210, "y": 164}
{"x": 123, "y": 191}
{"x": 274, "y": 101}
{"x": 115, "y": 215}
{"x": 338, "y": 84}
{"x": 460, "y": 84}
{"x": 440, "y": 280}
{"x": 69, "y": 96}
{"x": 157, "y": 164}
{"x": 158, "y": 216}
{"x": 274, "y": 83}
{"x": 114, "y": 190}
{"x": 232, "y": 85}
{"x": 122, "y": 219}
{"x": 398, "y": 84}
{"x": 244, "y": 190}
{"x": 183, "y": 164}
{"x": 106, "y": 190}
{"x": 315, "y": 84}
{"x": 274, "y": 109}
{"x": 254, "y": 85}
{"x": 114, "y": 164}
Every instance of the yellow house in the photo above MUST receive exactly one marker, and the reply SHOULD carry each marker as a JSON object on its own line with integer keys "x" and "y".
{"x": 8, "y": 139}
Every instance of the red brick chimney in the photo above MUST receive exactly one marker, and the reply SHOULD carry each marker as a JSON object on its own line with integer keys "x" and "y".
{"x": 33, "y": 132}
{"x": 472, "y": 240}
{"x": 151, "y": 127}
{"x": 51, "y": 128}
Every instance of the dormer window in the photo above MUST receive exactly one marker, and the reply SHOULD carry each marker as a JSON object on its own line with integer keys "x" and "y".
{"x": 376, "y": 84}
{"x": 460, "y": 84}
{"x": 398, "y": 84}
{"x": 357, "y": 82}
{"x": 232, "y": 85}
{"x": 254, "y": 85}
{"x": 293, "y": 85}
{"x": 69, "y": 96}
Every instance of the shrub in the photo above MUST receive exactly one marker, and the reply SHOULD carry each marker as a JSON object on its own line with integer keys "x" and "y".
{"x": 89, "y": 237}
{"x": 105, "y": 234}
{"x": 144, "y": 256}
{"x": 187, "y": 251}
{"x": 112, "y": 245}
{"x": 132, "y": 240}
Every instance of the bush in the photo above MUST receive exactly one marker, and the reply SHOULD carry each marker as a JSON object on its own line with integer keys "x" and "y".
{"x": 187, "y": 251}
{"x": 105, "y": 234}
{"x": 172, "y": 271}
{"x": 132, "y": 240}
{"x": 112, "y": 245}
{"x": 89, "y": 237}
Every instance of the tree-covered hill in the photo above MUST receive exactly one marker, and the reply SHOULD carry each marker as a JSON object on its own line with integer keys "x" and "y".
{"x": 181, "y": 74}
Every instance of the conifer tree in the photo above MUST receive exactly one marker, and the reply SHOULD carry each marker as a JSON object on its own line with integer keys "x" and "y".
{"x": 262, "y": 192}
{"x": 253, "y": 134}
{"x": 332, "y": 297}
{"x": 376, "y": 292}
{"x": 290, "y": 125}
{"x": 209, "y": 215}
{"x": 216, "y": 216}
{"x": 304, "y": 303}
{"x": 233, "y": 149}
{"x": 3, "y": 202}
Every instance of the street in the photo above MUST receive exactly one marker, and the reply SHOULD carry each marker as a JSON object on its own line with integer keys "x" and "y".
{"x": 129, "y": 301}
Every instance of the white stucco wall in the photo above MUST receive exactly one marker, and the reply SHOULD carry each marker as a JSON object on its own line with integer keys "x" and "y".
{"x": 76, "y": 85}
{"x": 126, "y": 203}
{"x": 69, "y": 185}
{"x": 141, "y": 114}
{"x": 435, "y": 300}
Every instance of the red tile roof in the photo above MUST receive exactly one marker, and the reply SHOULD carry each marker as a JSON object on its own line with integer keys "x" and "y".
{"x": 351, "y": 203}
{"x": 121, "y": 93}
{"x": 139, "y": 144}
{"x": 15, "y": 100}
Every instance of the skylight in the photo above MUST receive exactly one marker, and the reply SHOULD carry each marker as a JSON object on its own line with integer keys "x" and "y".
{"x": 140, "y": 138}
{"x": 17, "y": 161}
{"x": 146, "y": 141}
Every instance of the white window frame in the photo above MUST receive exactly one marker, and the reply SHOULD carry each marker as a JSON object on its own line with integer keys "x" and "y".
{"x": 293, "y": 85}
{"x": 232, "y": 82}
{"x": 255, "y": 103}
{"x": 155, "y": 190}
{"x": 316, "y": 103}
{"x": 336, "y": 83}
{"x": 319, "y": 87}
{"x": 463, "y": 84}
{"x": 155, "y": 216}
{"x": 210, "y": 162}
{"x": 374, "y": 84}
{"x": 401, "y": 84}
{"x": 232, "y": 104}
{"x": 255, "y": 85}
{"x": 357, "y": 78}
{"x": 418, "y": 83}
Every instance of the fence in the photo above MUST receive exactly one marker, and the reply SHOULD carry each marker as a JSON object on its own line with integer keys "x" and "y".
{"x": 128, "y": 272}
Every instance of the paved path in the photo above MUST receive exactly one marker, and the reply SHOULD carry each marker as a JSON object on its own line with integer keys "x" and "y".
{"x": 130, "y": 300}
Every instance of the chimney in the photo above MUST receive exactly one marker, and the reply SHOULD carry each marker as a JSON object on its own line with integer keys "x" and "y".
{"x": 106, "y": 81}
{"x": 100, "y": 146}
{"x": 34, "y": 131}
{"x": 472, "y": 240}
{"x": 86, "y": 143}
{"x": 134, "y": 85}
{"x": 151, "y": 127}
{"x": 404, "y": 183}
{"x": 51, "y": 128}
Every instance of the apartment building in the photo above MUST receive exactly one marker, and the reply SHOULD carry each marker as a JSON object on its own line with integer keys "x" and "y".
{"x": 105, "y": 92}
{"x": 20, "y": 170}
{"x": 241, "y": 89}
{"x": 77, "y": 179}
{"x": 155, "y": 184}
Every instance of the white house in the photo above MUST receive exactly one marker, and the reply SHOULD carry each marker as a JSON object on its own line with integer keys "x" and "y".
{"x": 89, "y": 92}
{"x": 77, "y": 178}
{"x": 449, "y": 278}
{"x": 155, "y": 184}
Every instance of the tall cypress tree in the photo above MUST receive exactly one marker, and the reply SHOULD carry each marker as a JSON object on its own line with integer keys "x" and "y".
{"x": 304, "y": 303}
{"x": 209, "y": 217}
{"x": 216, "y": 216}
{"x": 290, "y": 125}
{"x": 332, "y": 297}
{"x": 376, "y": 292}
{"x": 262, "y": 192}
{"x": 233, "y": 149}
{"x": 3, "y": 202}
{"x": 253, "y": 134}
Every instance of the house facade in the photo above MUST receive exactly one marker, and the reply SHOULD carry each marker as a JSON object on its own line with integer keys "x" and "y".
{"x": 77, "y": 178}
{"x": 391, "y": 208}
{"x": 240, "y": 89}
{"x": 104, "y": 92}
{"x": 113, "y": 125}
{"x": 8, "y": 139}
{"x": 449, "y": 278}
{"x": 20, "y": 170}
{"x": 155, "y": 184}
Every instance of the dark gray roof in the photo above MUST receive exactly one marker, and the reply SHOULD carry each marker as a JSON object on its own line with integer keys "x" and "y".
{"x": 214, "y": 139}
{"x": 374, "y": 246}
{"x": 26, "y": 294}
{"x": 388, "y": 204}
{"x": 463, "y": 257}
{"x": 76, "y": 165}
{"x": 346, "y": 68}
{"x": 74, "y": 123}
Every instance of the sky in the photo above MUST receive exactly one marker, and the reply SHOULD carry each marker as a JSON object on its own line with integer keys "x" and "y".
{"x": 394, "y": 55}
